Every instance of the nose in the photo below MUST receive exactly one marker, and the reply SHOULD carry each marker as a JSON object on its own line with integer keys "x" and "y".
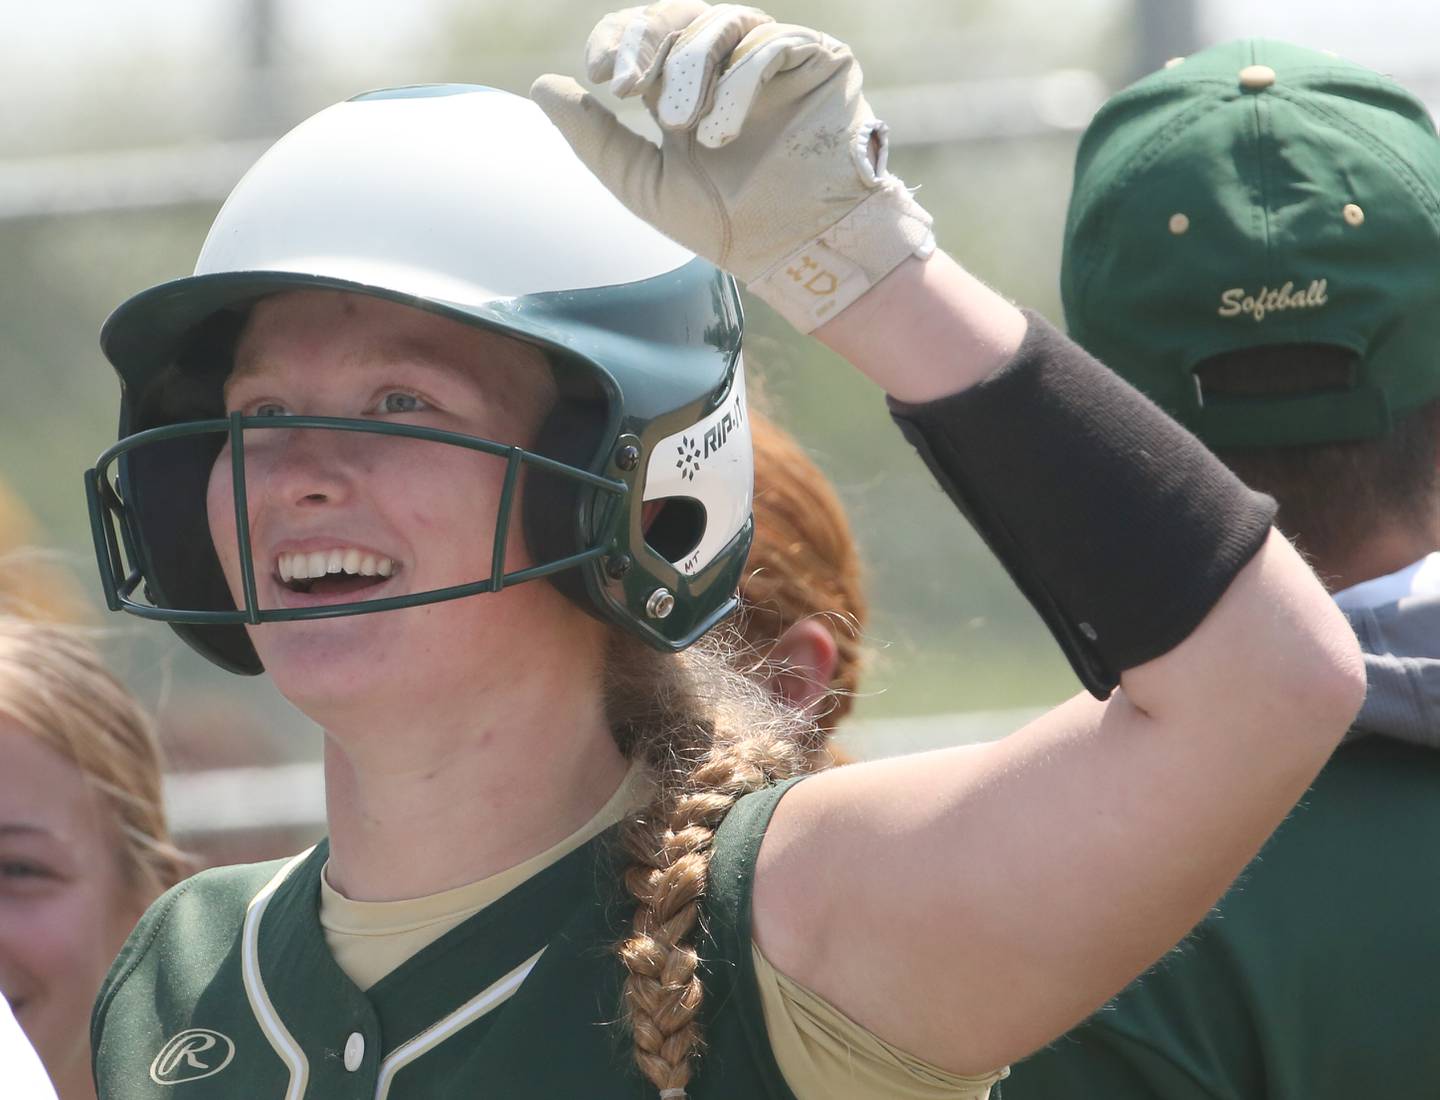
{"x": 301, "y": 467}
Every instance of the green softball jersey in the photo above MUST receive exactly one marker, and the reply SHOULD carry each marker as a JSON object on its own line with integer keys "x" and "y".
{"x": 229, "y": 988}
{"x": 1318, "y": 975}
{"x": 1316, "y": 978}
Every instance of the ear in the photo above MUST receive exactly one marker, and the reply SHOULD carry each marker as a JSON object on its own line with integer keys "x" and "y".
{"x": 804, "y": 663}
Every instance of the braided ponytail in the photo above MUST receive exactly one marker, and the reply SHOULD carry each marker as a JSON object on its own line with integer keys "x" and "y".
{"x": 709, "y": 736}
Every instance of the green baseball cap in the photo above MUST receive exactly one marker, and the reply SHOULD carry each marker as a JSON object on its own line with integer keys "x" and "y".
{"x": 1251, "y": 195}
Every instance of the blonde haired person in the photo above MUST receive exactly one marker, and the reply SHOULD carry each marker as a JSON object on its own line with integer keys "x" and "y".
{"x": 802, "y": 609}
{"x": 453, "y": 445}
{"x": 83, "y": 843}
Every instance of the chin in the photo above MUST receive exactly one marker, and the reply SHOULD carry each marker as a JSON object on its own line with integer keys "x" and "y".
{"x": 328, "y": 659}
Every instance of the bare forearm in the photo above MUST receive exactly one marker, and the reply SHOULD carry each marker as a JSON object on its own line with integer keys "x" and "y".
{"x": 927, "y": 330}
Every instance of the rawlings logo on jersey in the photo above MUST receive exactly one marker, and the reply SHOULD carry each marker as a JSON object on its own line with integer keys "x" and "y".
{"x": 194, "y": 1053}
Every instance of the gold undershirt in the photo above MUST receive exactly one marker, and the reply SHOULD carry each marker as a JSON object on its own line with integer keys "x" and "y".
{"x": 823, "y": 1054}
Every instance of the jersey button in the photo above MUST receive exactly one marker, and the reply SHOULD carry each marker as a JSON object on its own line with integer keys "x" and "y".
{"x": 354, "y": 1051}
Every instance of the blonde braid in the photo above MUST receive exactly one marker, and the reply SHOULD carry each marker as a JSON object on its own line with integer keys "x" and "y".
{"x": 710, "y": 736}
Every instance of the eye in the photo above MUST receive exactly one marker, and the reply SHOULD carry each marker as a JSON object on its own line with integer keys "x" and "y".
{"x": 17, "y": 869}
{"x": 22, "y": 877}
{"x": 269, "y": 408}
{"x": 398, "y": 401}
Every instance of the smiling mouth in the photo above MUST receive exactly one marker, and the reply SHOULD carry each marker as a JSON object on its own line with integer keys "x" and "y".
{"x": 337, "y": 572}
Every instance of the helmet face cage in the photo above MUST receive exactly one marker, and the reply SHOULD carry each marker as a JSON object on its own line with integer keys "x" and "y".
{"x": 122, "y": 572}
{"x": 583, "y": 515}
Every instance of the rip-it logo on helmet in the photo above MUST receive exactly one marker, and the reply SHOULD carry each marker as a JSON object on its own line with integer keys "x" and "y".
{"x": 714, "y": 478}
{"x": 716, "y": 436}
{"x": 689, "y": 461}
{"x": 719, "y": 432}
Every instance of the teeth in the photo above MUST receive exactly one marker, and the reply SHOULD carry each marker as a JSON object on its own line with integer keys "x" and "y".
{"x": 317, "y": 563}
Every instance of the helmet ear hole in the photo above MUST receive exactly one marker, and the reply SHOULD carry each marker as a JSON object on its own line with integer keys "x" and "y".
{"x": 674, "y": 526}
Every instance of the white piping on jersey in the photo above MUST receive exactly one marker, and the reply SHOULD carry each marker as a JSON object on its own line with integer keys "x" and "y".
{"x": 486, "y": 1000}
{"x": 270, "y": 1023}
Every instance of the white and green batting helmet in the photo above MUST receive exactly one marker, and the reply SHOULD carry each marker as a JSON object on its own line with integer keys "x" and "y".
{"x": 465, "y": 202}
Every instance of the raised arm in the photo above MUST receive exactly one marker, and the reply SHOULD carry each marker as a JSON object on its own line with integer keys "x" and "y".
{"x": 969, "y": 905}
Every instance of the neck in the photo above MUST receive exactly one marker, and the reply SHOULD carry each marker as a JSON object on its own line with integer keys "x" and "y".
{"x": 429, "y": 802}
{"x": 75, "y": 1082}
{"x": 1378, "y": 554}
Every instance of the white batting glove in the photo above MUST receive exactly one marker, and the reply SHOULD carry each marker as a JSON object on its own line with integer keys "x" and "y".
{"x": 772, "y": 164}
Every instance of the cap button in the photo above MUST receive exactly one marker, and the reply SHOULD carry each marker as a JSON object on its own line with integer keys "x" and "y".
{"x": 1254, "y": 78}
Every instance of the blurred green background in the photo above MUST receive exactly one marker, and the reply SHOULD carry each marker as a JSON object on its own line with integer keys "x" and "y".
{"x": 124, "y": 125}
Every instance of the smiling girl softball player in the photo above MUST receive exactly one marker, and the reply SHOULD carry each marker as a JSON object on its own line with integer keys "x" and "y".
{"x": 429, "y": 366}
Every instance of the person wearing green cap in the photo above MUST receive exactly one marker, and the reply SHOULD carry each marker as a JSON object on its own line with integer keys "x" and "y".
{"x": 1254, "y": 242}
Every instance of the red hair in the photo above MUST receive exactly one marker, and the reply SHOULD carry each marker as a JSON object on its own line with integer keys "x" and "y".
{"x": 804, "y": 563}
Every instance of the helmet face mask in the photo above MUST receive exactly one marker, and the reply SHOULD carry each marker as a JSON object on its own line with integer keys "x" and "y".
{"x": 650, "y": 422}
{"x": 122, "y": 572}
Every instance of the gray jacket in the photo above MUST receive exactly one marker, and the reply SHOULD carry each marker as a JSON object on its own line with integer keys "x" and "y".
{"x": 1401, "y": 641}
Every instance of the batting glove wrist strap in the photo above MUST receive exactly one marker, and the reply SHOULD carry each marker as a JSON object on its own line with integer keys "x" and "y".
{"x": 821, "y": 278}
{"x": 771, "y": 163}
{"x": 1116, "y": 523}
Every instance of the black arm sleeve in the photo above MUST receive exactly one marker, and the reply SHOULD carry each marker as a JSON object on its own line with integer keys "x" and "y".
{"x": 1115, "y": 522}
